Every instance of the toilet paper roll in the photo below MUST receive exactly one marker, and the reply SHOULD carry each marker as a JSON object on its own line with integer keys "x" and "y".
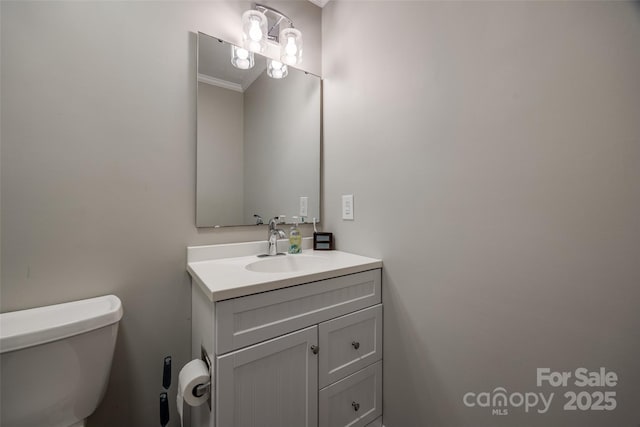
{"x": 191, "y": 375}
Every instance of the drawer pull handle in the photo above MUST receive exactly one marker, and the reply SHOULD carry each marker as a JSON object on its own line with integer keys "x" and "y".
{"x": 315, "y": 349}
{"x": 355, "y": 405}
{"x": 355, "y": 345}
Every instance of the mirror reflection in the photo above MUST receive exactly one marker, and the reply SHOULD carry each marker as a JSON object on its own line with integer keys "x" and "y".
{"x": 258, "y": 139}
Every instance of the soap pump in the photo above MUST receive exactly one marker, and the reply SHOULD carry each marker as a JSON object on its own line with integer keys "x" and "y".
{"x": 295, "y": 238}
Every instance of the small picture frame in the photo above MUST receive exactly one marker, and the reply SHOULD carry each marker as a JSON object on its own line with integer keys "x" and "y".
{"x": 322, "y": 241}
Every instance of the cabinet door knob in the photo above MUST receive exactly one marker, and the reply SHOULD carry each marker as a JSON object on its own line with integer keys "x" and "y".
{"x": 355, "y": 405}
{"x": 315, "y": 349}
{"x": 355, "y": 345}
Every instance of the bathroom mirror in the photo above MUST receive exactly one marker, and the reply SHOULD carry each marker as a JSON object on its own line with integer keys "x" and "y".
{"x": 258, "y": 140}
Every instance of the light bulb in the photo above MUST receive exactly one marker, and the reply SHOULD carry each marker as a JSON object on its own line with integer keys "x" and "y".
{"x": 276, "y": 69}
{"x": 241, "y": 58}
{"x": 255, "y": 33}
{"x": 291, "y": 49}
{"x": 242, "y": 53}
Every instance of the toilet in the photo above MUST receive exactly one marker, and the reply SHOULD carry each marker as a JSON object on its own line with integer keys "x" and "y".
{"x": 55, "y": 361}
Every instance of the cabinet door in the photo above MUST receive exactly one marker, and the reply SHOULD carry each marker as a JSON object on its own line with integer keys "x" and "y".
{"x": 271, "y": 384}
{"x": 349, "y": 343}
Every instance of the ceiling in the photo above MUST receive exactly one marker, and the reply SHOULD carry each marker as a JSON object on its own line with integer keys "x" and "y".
{"x": 320, "y": 3}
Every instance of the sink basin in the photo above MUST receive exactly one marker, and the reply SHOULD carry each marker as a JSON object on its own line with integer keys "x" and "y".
{"x": 287, "y": 264}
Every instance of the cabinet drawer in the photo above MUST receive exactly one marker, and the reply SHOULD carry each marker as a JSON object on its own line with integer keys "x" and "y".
{"x": 248, "y": 320}
{"x": 349, "y": 343}
{"x": 354, "y": 401}
{"x": 376, "y": 423}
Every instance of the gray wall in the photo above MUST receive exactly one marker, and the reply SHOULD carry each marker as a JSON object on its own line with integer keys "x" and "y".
{"x": 500, "y": 144}
{"x": 280, "y": 153}
{"x": 98, "y": 170}
{"x": 493, "y": 149}
{"x": 219, "y": 164}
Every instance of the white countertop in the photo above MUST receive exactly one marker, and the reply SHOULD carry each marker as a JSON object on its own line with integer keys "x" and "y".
{"x": 224, "y": 278}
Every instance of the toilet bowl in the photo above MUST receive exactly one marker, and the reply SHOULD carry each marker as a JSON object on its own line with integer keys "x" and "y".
{"x": 55, "y": 361}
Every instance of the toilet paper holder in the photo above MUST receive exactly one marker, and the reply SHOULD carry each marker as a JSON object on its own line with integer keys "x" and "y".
{"x": 201, "y": 389}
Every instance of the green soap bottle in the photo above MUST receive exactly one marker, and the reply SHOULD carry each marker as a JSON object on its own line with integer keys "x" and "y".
{"x": 295, "y": 238}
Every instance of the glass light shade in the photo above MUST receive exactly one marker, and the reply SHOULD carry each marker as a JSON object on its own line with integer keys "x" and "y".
{"x": 254, "y": 30}
{"x": 291, "y": 46}
{"x": 241, "y": 58}
{"x": 276, "y": 69}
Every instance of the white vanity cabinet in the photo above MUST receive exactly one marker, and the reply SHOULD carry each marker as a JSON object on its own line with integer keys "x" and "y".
{"x": 301, "y": 356}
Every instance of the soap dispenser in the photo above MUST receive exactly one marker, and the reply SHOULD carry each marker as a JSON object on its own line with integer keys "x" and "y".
{"x": 295, "y": 238}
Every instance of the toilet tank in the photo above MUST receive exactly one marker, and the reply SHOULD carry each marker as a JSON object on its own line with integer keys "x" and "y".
{"x": 55, "y": 361}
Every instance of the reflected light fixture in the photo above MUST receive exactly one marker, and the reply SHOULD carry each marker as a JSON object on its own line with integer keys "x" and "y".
{"x": 262, "y": 25}
{"x": 276, "y": 69}
{"x": 241, "y": 58}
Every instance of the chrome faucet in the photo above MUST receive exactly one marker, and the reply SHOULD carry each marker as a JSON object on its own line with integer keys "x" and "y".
{"x": 272, "y": 237}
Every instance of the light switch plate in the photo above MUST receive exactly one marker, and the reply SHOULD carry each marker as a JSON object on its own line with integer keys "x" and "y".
{"x": 304, "y": 205}
{"x": 347, "y": 207}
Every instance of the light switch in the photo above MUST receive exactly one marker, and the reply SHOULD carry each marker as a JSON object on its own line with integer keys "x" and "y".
{"x": 304, "y": 204}
{"x": 347, "y": 207}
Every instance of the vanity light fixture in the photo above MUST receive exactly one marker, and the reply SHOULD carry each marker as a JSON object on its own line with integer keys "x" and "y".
{"x": 241, "y": 58}
{"x": 291, "y": 46}
{"x": 254, "y": 30}
{"x": 276, "y": 69}
{"x": 262, "y": 25}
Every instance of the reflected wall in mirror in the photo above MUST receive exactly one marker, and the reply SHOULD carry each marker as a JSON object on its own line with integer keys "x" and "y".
{"x": 258, "y": 140}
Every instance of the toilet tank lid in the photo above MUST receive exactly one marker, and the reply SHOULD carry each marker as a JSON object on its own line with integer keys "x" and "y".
{"x": 27, "y": 328}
